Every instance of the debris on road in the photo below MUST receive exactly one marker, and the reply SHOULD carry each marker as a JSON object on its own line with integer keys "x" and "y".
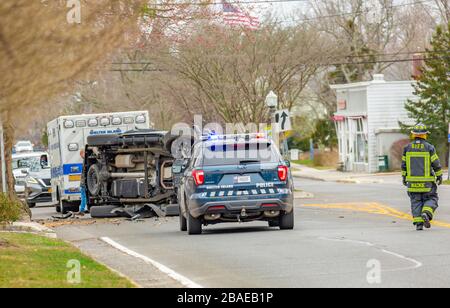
{"x": 78, "y": 222}
{"x": 300, "y": 194}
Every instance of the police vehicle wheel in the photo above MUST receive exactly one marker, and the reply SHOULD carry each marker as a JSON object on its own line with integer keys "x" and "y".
{"x": 287, "y": 221}
{"x": 31, "y": 205}
{"x": 58, "y": 208}
{"x": 194, "y": 225}
{"x": 274, "y": 223}
{"x": 183, "y": 222}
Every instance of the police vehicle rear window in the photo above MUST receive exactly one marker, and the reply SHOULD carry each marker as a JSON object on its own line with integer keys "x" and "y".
{"x": 239, "y": 153}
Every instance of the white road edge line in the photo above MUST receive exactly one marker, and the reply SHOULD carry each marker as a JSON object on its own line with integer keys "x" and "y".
{"x": 417, "y": 263}
{"x": 162, "y": 268}
{"x": 416, "y": 266}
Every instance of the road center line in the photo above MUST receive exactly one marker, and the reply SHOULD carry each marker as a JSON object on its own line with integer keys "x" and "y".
{"x": 416, "y": 263}
{"x": 373, "y": 208}
{"x": 162, "y": 268}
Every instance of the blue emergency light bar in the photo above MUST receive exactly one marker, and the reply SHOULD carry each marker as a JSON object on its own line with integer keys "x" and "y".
{"x": 213, "y": 136}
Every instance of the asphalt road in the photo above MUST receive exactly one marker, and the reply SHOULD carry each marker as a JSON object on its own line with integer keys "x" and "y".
{"x": 346, "y": 233}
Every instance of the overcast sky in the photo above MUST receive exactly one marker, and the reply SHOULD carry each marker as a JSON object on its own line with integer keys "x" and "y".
{"x": 281, "y": 10}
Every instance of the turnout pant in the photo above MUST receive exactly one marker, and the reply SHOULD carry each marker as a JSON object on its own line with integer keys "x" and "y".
{"x": 424, "y": 203}
{"x": 83, "y": 199}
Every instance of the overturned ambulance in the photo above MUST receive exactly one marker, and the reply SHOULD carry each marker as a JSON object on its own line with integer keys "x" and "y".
{"x": 130, "y": 174}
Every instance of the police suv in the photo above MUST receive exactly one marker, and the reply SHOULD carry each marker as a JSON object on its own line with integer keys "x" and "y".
{"x": 235, "y": 178}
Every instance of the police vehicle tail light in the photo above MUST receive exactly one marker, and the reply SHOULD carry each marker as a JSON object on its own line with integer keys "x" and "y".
{"x": 282, "y": 173}
{"x": 199, "y": 177}
{"x": 216, "y": 208}
{"x": 269, "y": 205}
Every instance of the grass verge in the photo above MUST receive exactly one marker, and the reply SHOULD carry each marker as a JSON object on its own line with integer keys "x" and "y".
{"x": 446, "y": 182}
{"x": 31, "y": 261}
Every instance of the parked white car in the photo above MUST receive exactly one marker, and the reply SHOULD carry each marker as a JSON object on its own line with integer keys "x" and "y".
{"x": 23, "y": 146}
{"x": 21, "y": 164}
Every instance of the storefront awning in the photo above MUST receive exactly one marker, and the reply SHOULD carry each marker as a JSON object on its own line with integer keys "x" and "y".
{"x": 340, "y": 117}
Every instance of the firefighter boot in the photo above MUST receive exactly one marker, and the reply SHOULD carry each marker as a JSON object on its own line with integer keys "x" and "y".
{"x": 419, "y": 227}
{"x": 426, "y": 220}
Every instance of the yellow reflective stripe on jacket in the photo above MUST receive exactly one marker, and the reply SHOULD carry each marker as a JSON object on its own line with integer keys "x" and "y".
{"x": 404, "y": 173}
{"x": 403, "y": 158}
{"x": 434, "y": 158}
{"x": 427, "y": 176}
{"x": 439, "y": 173}
{"x": 428, "y": 209}
{"x": 423, "y": 179}
{"x": 419, "y": 190}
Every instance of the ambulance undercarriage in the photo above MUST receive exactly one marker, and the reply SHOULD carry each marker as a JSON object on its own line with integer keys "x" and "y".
{"x": 130, "y": 174}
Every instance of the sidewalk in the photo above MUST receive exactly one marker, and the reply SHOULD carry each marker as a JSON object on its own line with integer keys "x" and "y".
{"x": 304, "y": 172}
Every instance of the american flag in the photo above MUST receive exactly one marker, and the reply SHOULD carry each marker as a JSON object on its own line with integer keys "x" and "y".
{"x": 234, "y": 16}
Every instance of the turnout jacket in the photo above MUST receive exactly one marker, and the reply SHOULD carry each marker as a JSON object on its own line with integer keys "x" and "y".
{"x": 420, "y": 166}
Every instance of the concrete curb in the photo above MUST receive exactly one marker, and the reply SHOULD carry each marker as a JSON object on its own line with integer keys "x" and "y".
{"x": 31, "y": 227}
{"x": 307, "y": 177}
{"x": 360, "y": 181}
{"x": 136, "y": 285}
{"x": 345, "y": 181}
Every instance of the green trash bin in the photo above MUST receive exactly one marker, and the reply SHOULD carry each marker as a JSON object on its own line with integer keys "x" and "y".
{"x": 383, "y": 163}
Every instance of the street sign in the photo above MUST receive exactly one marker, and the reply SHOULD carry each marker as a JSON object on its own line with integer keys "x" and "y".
{"x": 283, "y": 120}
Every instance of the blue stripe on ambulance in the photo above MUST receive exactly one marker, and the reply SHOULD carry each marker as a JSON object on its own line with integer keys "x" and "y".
{"x": 71, "y": 192}
{"x": 66, "y": 169}
{"x": 72, "y": 169}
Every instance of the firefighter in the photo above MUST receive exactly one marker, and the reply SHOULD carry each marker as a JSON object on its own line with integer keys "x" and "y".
{"x": 422, "y": 173}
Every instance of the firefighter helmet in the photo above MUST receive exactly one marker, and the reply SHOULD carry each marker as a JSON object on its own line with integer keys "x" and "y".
{"x": 420, "y": 129}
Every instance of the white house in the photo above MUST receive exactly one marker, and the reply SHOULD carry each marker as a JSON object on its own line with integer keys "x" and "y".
{"x": 367, "y": 122}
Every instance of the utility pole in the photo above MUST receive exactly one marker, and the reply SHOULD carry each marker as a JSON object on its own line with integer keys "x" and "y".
{"x": 448, "y": 150}
{"x": 311, "y": 149}
{"x": 2, "y": 154}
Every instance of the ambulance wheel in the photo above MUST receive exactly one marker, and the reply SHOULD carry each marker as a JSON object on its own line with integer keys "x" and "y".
{"x": 58, "y": 206}
{"x": 94, "y": 180}
{"x": 66, "y": 207}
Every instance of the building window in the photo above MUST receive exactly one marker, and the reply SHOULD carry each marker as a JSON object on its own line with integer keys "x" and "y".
{"x": 361, "y": 145}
